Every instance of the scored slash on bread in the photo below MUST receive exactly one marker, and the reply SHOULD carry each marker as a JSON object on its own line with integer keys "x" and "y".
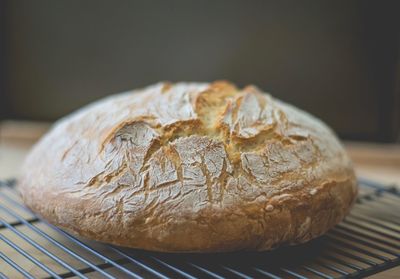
{"x": 190, "y": 167}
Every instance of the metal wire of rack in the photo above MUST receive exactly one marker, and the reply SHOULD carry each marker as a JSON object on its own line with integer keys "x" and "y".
{"x": 366, "y": 242}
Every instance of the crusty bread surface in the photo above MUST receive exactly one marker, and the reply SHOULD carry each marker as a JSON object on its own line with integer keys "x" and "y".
{"x": 190, "y": 167}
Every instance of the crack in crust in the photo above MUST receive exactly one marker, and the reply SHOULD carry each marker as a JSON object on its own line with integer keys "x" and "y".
{"x": 246, "y": 123}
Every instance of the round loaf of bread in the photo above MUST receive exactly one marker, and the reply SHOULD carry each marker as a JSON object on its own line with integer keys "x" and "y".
{"x": 190, "y": 167}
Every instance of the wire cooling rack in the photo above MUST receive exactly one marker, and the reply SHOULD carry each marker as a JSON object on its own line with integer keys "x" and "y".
{"x": 366, "y": 242}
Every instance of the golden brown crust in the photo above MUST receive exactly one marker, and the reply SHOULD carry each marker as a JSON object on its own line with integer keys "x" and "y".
{"x": 191, "y": 167}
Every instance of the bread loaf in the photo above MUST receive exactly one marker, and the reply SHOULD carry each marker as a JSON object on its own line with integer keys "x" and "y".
{"x": 190, "y": 167}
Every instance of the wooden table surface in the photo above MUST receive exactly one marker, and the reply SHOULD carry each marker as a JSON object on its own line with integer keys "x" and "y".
{"x": 379, "y": 162}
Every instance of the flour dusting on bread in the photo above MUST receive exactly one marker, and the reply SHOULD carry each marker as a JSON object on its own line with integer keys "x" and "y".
{"x": 191, "y": 167}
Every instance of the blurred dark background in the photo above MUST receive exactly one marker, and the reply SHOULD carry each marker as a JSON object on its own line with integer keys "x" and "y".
{"x": 339, "y": 60}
